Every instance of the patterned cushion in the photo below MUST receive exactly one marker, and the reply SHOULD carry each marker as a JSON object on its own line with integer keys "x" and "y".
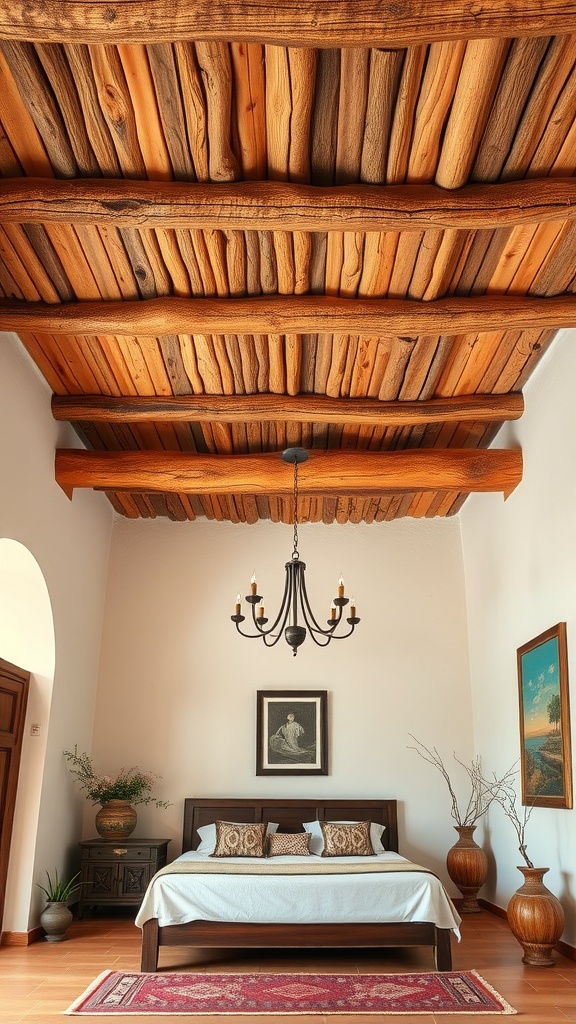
{"x": 296, "y": 844}
{"x": 239, "y": 840}
{"x": 346, "y": 840}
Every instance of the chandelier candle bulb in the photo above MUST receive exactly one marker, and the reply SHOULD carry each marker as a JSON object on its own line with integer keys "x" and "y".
{"x": 353, "y": 608}
{"x": 238, "y": 603}
{"x": 340, "y": 587}
{"x": 332, "y": 611}
{"x": 261, "y": 611}
{"x": 253, "y": 583}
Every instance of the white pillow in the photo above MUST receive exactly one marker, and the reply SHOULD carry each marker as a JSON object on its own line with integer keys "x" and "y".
{"x": 207, "y": 835}
{"x": 317, "y": 839}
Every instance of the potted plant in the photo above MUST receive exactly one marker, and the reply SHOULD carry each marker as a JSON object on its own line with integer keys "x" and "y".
{"x": 466, "y": 862}
{"x": 535, "y": 915}
{"x": 56, "y": 917}
{"x": 116, "y": 818}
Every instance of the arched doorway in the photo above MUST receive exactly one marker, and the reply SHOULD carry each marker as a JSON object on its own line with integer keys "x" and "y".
{"x": 26, "y": 640}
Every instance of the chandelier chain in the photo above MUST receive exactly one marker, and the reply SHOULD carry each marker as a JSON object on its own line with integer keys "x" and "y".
{"x": 295, "y": 553}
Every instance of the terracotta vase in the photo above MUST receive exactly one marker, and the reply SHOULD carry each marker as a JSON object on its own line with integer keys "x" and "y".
{"x": 55, "y": 919}
{"x": 536, "y": 918}
{"x": 467, "y": 866}
{"x": 116, "y": 820}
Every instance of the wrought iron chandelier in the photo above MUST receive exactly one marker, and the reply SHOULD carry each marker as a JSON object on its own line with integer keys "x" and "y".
{"x": 295, "y": 599}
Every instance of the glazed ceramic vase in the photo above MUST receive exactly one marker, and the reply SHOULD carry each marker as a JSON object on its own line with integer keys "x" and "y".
{"x": 467, "y": 866}
{"x": 116, "y": 820}
{"x": 536, "y": 918}
{"x": 55, "y": 919}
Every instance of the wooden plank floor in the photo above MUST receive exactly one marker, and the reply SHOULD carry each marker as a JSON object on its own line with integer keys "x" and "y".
{"x": 38, "y": 982}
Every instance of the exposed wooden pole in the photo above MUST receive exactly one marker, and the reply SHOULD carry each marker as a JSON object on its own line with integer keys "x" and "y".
{"x": 284, "y": 206}
{"x": 299, "y": 409}
{"x": 292, "y": 314}
{"x": 351, "y": 473}
{"x": 321, "y": 23}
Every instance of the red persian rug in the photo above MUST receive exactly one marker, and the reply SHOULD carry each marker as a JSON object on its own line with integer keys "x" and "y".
{"x": 117, "y": 993}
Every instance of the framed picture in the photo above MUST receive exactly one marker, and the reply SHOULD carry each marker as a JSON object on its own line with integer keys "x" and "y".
{"x": 545, "y": 762}
{"x": 291, "y": 732}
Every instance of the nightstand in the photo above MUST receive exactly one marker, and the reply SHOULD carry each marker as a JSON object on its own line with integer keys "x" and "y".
{"x": 116, "y": 874}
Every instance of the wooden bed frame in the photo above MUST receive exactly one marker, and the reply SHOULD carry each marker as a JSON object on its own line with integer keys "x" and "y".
{"x": 290, "y": 814}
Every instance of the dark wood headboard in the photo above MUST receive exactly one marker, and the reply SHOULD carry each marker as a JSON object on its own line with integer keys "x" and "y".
{"x": 290, "y": 814}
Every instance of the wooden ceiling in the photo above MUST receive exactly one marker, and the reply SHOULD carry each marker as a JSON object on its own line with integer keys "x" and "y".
{"x": 226, "y": 229}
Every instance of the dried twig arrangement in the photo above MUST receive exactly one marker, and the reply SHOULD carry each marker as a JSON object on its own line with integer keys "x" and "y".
{"x": 506, "y": 796}
{"x": 483, "y": 791}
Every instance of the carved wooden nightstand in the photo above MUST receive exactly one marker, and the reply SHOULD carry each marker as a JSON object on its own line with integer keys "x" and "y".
{"x": 116, "y": 874}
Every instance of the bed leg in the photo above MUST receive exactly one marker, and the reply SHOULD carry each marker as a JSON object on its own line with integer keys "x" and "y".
{"x": 443, "y": 950}
{"x": 149, "y": 961}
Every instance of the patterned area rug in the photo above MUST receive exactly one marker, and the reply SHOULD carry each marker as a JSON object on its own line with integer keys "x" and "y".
{"x": 461, "y": 992}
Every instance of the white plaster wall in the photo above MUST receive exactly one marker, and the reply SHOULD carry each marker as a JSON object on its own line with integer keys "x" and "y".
{"x": 177, "y": 690}
{"x": 69, "y": 541}
{"x": 520, "y": 566}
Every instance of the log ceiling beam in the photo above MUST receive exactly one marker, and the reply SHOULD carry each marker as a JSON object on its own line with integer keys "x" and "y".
{"x": 284, "y": 206}
{"x": 267, "y": 408}
{"x": 292, "y": 314}
{"x": 336, "y": 473}
{"x": 319, "y": 23}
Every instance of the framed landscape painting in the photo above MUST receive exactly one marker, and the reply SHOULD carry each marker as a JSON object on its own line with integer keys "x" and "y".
{"x": 291, "y": 732}
{"x": 545, "y": 763}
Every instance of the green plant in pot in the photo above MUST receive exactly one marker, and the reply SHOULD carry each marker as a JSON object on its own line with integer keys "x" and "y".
{"x": 116, "y": 818}
{"x": 57, "y": 916}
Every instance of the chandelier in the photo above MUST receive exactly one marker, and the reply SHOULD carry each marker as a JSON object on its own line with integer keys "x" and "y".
{"x": 295, "y": 604}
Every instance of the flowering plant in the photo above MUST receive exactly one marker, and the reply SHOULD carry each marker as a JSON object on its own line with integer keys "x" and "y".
{"x": 130, "y": 783}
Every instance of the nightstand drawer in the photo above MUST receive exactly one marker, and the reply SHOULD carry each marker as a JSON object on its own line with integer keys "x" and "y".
{"x": 115, "y": 851}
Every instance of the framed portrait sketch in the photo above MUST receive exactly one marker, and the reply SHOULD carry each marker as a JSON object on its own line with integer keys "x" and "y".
{"x": 545, "y": 762}
{"x": 291, "y": 732}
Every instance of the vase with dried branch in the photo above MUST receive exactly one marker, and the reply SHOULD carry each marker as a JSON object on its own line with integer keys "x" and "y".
{"x": 466, "y": 862}
{"x": 535, "y": 915}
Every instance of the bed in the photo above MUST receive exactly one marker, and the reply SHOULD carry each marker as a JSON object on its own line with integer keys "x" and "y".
{"x": 157, "y": 924}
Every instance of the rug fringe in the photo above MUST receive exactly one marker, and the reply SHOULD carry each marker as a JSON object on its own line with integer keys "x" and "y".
{"x": 97, "y": 981}
{"x": 497, "y": 995}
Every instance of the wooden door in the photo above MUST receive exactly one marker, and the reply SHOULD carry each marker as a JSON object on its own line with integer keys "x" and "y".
{"x": 13, "y": 697}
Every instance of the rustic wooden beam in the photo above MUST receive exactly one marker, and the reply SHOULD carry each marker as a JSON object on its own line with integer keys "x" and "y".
{"x": 267, "y": 408}
{"x": 284, "y": 206}
{"x": 320, "y": 23}
{"x": 292, "y": 314}
{"x": 351, "y": 473}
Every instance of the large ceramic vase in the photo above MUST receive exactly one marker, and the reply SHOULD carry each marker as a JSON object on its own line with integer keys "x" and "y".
{"x": 116, "y": 820}
{"x": 536, "y": 918}
{"x": 55, "y": 919}
{"x": 467, "y": 866}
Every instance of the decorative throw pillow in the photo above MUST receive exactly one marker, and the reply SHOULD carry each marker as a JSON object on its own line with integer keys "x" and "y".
{"x": 346, "y": 840}
{"x": 239, "y": 840}
{"x": 207, "y": 835}
{"x": 317, "y": 840}
{"x": 295, "y": 844}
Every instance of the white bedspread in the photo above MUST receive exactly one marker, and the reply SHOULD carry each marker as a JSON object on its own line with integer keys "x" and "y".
{"x": 299, "y": 899}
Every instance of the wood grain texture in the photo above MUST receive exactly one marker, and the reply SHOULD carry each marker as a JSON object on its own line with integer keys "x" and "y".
{"x": 287, "y": 314}
{"x": 310, "y": 23}
{"x": 329, "y": 472}
{"x": 302, "y": 409}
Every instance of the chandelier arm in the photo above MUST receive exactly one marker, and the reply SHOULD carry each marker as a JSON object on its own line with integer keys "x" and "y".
{"x": 320, "y": 643}
{"x": 309, "y": 617}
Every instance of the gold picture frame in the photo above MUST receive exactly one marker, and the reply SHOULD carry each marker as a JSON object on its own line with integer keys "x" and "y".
{"x": 545, "y": 763}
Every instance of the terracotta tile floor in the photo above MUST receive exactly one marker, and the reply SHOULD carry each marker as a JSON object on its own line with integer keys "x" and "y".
{"x": 38, "y": 982}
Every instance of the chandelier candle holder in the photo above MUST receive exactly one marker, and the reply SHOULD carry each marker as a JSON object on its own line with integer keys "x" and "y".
{"x": 295, "y": 619}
